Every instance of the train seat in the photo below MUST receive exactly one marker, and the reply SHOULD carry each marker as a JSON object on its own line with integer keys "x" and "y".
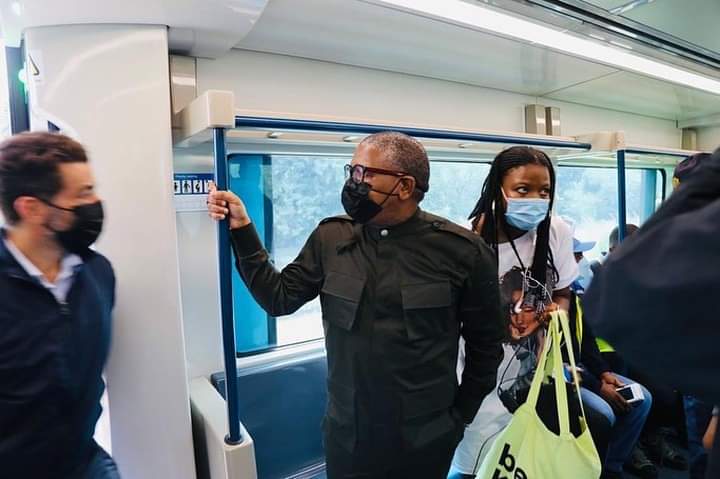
{"x": 282, "y": 404}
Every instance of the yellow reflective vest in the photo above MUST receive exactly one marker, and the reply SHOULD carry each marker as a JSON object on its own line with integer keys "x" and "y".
{"x": 603, "y": 345}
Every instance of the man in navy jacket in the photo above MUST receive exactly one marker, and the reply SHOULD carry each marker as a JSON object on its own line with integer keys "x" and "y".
{"x": 56, "y": 298}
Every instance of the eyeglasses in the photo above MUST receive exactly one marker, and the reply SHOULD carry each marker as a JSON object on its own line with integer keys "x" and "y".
{"x": 357, "y": 172}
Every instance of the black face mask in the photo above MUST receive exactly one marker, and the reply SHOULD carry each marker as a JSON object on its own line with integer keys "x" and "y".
{"x": 85, "y": 229}
{"x": 357, "y": 202}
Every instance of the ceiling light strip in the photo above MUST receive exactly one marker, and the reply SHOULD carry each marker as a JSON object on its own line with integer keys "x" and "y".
{"x": 478, "y": 17}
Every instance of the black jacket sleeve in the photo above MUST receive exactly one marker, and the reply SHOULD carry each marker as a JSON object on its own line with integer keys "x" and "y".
{"x": 483, "y": 329}
{"x": 278, "y": 292}
{"x": 590, "y": 354}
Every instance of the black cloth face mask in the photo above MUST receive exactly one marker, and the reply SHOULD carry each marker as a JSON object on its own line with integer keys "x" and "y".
{"x": 357, "y": 202}
{"x": 84, "y": 231}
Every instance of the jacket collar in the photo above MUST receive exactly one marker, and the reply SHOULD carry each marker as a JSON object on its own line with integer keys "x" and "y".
{"x": 412, "y": 225}
{"x": 8, "y": 263}
{"x": 10, "y": 266}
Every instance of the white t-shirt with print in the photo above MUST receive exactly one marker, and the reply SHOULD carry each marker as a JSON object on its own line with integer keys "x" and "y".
{"x": 561, "y": 246}
{"x": 492, "y": 417}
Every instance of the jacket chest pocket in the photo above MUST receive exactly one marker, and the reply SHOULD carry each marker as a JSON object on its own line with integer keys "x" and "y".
{"x": 340, "y": 299}
{"x": 427, "y": 309}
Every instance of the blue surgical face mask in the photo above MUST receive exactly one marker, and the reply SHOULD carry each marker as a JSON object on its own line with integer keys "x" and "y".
{"x": 526, "y": 213}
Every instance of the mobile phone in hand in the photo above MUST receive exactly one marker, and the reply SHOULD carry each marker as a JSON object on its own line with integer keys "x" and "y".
{"x": 632, "y": 393}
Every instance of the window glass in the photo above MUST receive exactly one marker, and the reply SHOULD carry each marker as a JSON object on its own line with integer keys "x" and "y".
{"x": 4, "y": 102}
{"x": 587, "y": 196}
{"x": 299, "y": 191}
{"x": 304, "y": 191}
{"x": 660, "y": 191}
{"x": 454, "y": 189}
{"x": 294, "y": 193}
{"x": 4, "y": 95}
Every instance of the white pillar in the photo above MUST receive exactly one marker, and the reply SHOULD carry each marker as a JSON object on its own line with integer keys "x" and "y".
{"x": 108, "y": 86}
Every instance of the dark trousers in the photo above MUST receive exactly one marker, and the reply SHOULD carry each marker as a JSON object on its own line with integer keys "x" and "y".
{"x": 666, "y": 410}
{"x": 600, "y": 430}
{"x": 382, "y": 460}
{"x": 100, "y": 466}
{"x": 97, "y": 465}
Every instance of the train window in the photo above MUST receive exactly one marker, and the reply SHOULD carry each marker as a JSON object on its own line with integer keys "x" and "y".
{"x": 660, "y": 192}
{"x": 4, "y": 102}
{"x": 287, "y": 196}
{"x": 304, "y": 191}
{"x": 588, "y": 197}
{"x": 454, "y": 189}
{"x": 4, "y": 95}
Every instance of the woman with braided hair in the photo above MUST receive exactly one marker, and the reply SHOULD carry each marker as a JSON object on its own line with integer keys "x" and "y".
{"x": 513, "y": 215}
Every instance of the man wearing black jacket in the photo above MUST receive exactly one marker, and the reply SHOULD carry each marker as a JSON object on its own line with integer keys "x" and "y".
{"x": 398, "y": 286}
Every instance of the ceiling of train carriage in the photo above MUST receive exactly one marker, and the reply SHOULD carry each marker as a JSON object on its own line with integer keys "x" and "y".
{"x": 359, "y": 33}
{"x": 694, "y": 21}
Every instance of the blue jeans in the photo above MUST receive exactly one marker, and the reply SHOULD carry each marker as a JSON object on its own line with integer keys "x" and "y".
{"x": 626, "y": 428}
{"x": 697, "y": 417}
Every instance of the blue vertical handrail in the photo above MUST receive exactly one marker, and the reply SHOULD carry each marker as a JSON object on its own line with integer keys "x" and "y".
{"x": 622, "y": 213}
{"x": 226, "y": 300}
{"x": 650, "y": 185}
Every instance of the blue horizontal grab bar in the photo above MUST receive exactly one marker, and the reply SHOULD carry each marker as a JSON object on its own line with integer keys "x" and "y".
{"x": 650, "y": 151}
{"x": 314, "y": 125}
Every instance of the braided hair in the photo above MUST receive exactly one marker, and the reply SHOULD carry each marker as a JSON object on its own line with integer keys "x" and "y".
{"x": 490, "y": 206}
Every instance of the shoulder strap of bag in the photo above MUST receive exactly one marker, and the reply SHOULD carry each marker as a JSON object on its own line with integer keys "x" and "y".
{"x": 540, "y": 374}
{"x": 564, "y": 324}
{"x": 551, "y": 361}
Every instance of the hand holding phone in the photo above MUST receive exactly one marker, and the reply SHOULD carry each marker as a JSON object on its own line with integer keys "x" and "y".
{"x": 632, "y": 393}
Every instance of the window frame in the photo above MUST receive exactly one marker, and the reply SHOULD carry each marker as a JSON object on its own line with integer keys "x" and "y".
{"x": 18, "y": 108}
{"x": 272, "y": 321}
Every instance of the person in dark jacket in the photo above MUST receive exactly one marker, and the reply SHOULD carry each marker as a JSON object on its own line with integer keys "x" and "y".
{"x": 664, "y": 412}
{"x": 398, "y": 287}
{"x": 697, "y": 412}
{"x": 655, "y": 294}
{"x": 56, "y": 298}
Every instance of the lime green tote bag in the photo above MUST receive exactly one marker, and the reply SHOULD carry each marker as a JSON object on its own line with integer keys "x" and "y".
{"x": 526, "y": 449}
